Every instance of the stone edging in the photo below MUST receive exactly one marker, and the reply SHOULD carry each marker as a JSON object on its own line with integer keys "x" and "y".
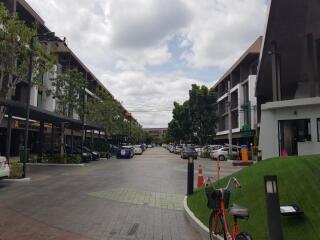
{"x": 8, "y": 180}
{"x": 196, "y": 223}
{"x": 56, "y": 164}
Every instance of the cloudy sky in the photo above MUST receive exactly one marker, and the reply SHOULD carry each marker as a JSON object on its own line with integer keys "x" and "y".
{"x": 149, "y": 52}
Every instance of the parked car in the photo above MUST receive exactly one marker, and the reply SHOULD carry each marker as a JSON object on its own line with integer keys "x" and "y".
{"x": 144, "y": 147}
{"x": 178, "y": 149}
{"x": 85, "y": 156}
{"x": 138, "y": 150}
{"x": 95, "y": 155}
{"x": 4, "y": 168}
{"x": 198, "y": 150}
{"x": 222, "y": 153}
{"x": 150, "y": 146}
{"x": 125, "y": 152}
{"x": 171, "y": 148}
{"x": 188, "y": 152}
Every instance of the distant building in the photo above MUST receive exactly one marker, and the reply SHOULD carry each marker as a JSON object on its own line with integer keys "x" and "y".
{"x": 156, "y": 133}
{"x": 288, "y": 87}
{"x": 242, "y": 78}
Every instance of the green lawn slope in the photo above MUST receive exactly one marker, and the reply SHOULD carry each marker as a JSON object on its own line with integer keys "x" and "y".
{"x": 298, "y": 182}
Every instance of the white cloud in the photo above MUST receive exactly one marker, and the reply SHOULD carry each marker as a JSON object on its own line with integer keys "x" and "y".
{"x": 222, "y": 30}
{"x": 149, "y": 97}
{"x": 117, "y": 39}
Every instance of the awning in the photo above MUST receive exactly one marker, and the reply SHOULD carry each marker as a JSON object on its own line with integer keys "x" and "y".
{"x": 18, "y": 109}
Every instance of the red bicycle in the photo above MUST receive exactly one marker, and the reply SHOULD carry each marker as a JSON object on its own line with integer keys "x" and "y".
{"x": 218, "y": 201}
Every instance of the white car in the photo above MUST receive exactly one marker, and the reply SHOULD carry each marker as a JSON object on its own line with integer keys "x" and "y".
{"x": 137, "y": 150}
{"x": 4, "y": 168}
{"x": 222, "y": 153}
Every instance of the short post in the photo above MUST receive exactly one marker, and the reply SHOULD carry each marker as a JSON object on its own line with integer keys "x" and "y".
{"x": 273, "y": 208}
{"x": 218, "y": 169}
{"x": 190, "y": 176}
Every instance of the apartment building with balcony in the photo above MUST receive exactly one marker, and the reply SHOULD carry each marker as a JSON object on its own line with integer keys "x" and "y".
{"x": 242, "y": 79}
{"x": 45, "y": 118}
{"x": 288, "y": 87}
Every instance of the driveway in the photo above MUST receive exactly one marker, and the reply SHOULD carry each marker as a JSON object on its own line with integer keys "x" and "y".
{"x": 140, "y": 198}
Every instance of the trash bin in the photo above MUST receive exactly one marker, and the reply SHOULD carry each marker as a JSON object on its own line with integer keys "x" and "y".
{"x": 21, "y": 151}
{"x": 244, "y": 152}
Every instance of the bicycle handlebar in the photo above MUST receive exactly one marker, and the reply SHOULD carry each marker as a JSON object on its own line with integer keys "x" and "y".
{"x": 235, "y": 182}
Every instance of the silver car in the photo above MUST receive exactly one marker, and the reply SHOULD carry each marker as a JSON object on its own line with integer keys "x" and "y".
{"x": 4, "y": 168}
{"x": 222, "y": 153}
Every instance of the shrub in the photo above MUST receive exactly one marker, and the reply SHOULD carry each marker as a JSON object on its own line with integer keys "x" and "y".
{"x": 233, "y": 156}
{"x": 205, "y": 154}
{"x": 16, "y": 170}
{"x": 74, "y": 159}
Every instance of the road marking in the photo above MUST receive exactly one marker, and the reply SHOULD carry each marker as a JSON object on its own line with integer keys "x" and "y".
{"x": 169, "y": 201}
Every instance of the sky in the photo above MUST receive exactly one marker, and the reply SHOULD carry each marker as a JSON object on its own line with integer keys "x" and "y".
{"x": 148, "y": 52}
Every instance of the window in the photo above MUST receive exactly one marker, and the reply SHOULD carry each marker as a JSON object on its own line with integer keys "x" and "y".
{"x": 318, "y": 128}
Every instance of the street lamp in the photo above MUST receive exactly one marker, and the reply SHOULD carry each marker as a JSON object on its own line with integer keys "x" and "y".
{"x": 273, "y": 208}
{"x": 28, "y": 97}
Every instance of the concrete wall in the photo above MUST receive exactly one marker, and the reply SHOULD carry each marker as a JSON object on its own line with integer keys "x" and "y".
{"x": 273, "y": 112}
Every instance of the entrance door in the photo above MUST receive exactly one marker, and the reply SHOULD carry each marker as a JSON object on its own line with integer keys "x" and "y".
{"x": 290, "y": 133}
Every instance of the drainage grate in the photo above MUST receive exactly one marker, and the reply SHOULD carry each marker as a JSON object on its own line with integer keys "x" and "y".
{"x": 133, "y": 229}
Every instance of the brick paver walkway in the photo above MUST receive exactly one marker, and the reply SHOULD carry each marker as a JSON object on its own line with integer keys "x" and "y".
{"x": 116, "y": 199}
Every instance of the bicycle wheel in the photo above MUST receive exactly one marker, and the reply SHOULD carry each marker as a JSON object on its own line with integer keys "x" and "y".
{"x": 215, "y": 226}
{"x": 243, "y": 236}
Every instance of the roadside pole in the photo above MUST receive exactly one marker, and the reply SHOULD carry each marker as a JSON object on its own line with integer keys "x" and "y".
{"x": 190, "y": 176}
{"x": 229, "y": 117}
{"x": 273, "y": 208}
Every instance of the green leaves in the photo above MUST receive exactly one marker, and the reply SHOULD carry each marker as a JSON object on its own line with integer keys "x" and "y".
{"x": 196, "y": 118}
{"x": 15, "y": 51}
{"x": 69, "y": 89}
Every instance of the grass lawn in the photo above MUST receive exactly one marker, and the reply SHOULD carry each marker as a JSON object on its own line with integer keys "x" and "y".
{"x": 298, "y": 182}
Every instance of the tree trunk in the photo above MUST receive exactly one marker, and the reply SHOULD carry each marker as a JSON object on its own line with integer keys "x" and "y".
{"x": 62, "y": 141}
{"x": 2, "y": 113}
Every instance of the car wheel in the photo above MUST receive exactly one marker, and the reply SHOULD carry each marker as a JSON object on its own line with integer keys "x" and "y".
{"x": 222, "y": 158}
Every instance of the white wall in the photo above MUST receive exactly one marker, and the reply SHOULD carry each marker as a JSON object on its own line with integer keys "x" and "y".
{"x": 48, "y": 103}
{"x": 34, "y": 96}
{"x": 272, "y": 113}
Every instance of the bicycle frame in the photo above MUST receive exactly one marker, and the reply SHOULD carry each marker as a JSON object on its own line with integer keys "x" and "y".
{"x": 222, "y": 213}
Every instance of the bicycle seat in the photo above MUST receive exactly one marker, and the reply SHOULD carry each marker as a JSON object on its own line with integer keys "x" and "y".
{"x": 239, "y": 211}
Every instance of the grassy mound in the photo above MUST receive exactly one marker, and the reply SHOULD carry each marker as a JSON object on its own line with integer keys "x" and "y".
{"x": 298, "y": 182}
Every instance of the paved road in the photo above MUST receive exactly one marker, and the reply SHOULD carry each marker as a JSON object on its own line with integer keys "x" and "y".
{"x": 140, "y": 198}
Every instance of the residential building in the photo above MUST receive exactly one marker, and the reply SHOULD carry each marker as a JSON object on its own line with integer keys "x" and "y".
{"x": 288, "y": 86}
{"x": 242, "y": 79}
{"x": 46, "y": 121}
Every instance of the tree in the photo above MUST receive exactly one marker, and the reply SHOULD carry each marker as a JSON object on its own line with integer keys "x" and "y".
{"x": 105, "y": 111}
{"x": 180, "y": 127}
{"x": 202, "y": 102}
{"x": 194, "y": 120}
{"x": 69, "y": 89}
{"x": 15, "y": 50}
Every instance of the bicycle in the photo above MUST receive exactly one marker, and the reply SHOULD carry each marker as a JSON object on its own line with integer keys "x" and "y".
{"x": 218, "y": 201}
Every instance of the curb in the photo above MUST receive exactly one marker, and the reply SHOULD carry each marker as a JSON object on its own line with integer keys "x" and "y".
{"x": 21, "y": 180}
{"x": 196, "y": 223}
{"x": 56, "y": 164}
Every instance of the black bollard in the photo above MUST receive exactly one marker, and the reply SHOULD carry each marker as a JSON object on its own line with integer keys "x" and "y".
{"x": 190, "y": 176}
{"x": 273, "y": 208}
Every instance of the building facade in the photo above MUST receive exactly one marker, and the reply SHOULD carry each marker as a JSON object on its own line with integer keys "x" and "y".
{"x": 47, "y": 124}
{"x": 242, "y": 79}
{"x": 288, "y": 87}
